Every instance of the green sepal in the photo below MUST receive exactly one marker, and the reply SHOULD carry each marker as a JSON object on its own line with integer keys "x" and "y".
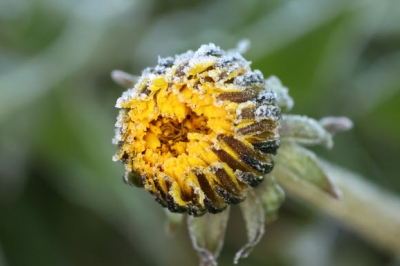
{"x": 303, "y": 164}
{"x": 260, "y": 207}
{"x": 207, "y": 234}
{"x": 254, "y": 217}
{"x": 173, "y": 222}
{"x": 272, "y": 198}
{"x": 304, "y": 130}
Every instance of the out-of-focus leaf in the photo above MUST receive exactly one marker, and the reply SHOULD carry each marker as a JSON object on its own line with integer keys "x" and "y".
{"x": 207, "y": 233}
{"x": 2, "y": 258}
{"x": 289, "y": 22}
{"x": 303, "y": 164}
{"x": 41, "y": 73}
{"x": 375, "y": 85}
{"x": 305, "y": 130}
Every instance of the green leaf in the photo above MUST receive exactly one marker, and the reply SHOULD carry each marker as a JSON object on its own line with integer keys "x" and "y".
{"x": 305, "y": 130}
{"x": 303, "y": 164}
{"x": 207, "y": 234}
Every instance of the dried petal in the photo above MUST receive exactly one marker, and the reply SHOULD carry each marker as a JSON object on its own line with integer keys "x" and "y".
{"x": 207, "y": 234}
{"x": 304, "y": 130}
{"x": 303, "y": 164}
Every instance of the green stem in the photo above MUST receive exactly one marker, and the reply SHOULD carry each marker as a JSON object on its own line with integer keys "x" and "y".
{"x": 364, "y": 208}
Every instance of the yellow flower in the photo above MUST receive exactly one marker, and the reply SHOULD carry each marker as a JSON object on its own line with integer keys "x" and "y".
{"x": 198, "y": 130}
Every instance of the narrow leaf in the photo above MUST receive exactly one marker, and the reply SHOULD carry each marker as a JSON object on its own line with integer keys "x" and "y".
{"x": 207, "y": 234}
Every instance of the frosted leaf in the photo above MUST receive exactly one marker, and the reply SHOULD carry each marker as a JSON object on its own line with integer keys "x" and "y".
{"x": 207, "y": 234}
{"x": 254, "y": 218}
{"x": 305, "y": 130}
{"x": 261, "y": 206}
{"x": 303, "y": 164}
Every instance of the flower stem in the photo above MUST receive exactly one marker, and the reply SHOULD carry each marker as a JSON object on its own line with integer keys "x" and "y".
{"x": 364, "y": 208}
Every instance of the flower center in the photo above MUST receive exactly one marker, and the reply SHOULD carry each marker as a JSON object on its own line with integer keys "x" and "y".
{"x": 169, "y": 136}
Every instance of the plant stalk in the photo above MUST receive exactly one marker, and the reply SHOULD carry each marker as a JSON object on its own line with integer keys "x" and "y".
{"x": 364, "y": 208}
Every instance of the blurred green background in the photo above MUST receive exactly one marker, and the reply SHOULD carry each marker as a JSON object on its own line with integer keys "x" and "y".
{"x": 62, "y": 199}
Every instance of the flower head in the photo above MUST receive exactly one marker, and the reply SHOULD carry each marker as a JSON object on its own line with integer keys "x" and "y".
{"x": 198, "y": 130}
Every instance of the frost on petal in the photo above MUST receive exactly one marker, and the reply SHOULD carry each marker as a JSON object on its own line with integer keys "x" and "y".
{"x": 304, "y": 165}
{"x": 199, "y": 129}
{"x": 285, "y": 102}
{"x": 207, "y": 235}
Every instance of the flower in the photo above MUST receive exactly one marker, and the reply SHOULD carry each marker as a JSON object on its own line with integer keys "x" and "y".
{"x": 198, "y": 130}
